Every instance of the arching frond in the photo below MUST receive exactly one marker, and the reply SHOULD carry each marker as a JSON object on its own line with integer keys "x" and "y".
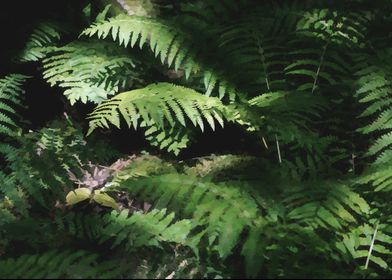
{"x": 161, "y": 106}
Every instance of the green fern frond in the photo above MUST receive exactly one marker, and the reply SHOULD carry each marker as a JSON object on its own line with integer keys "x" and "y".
{"x": 44, "y": 36}
{"x": 312, "y": 67}
{"x": 330, "y": 205}
{"x": 327, "y": 31}
{"x": 59, "y": 264}
{"x": 161, "y": 106}
{"x": 173, "y": 46}
{"x": 368, "y": 244}
{"x": 332, "y": 26}
{"x": 274, "y": 245}
{"x": 374, "y": 89}
{"x": 173, "y": 140}
{"x": 256, "y": 52}
{"x": 378, "y": 176}
{"x": 10, "y": 98}
{"x": 88, "y": 71}
{"x": 129, "y": 230}
{"x": 289, "y": 117}
{"x": 222, "y": 211}
{"x": 148, "y": 229}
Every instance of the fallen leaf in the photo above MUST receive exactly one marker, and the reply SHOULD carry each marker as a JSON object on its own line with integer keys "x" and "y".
{"x": 104, "y": 199}
{"x": 77, "y": 196}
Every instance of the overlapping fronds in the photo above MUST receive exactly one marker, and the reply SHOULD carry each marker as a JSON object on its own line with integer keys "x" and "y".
{"x": 214, "y": 207}
{"x": 173, "y": 46}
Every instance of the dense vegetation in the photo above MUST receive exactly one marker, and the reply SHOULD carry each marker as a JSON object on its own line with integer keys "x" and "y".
{"x": 196, "y": 139}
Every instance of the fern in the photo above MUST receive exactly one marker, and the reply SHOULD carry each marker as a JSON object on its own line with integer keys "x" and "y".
{"x": 214, "y": 207}
{"x": 59, "y": 264}
{"x": 45, "y": 35}
{"x": 254, "y": 45}
{"x": 145, "y": 229}
{"x": 130, "y": 231}
{"x": 172, "y": 45}
{"x": 374, "y": 89}
{"x": 10, "y": 100}
{"x": 330, "y": 30}
{"x": 368, "y": 244}
{"x": 159, "y": 106}
{"x": 330, "y": 206}
{"x": 173, "y": 140}
{"x": 223, "y": 214}
{"x": 89, "y": 71}
{"x": 307, "y": 194}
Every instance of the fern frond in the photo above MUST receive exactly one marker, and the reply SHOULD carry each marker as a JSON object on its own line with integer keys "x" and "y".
{"x": 173, "y": 140}
{"x": 368, "y": 244}
{"x": 290, "y": 116}
{"x": 161, "y": 106}
{"x": 44, "y": 36}
{"x": 59, "y": 264}
{"x": 10, "y": 98}
{"x": 332, "y": 26}
{"x": 147, "y": 229}
{"x": 131, "y": 231}
{"x": 173, "y": 46}
{"x": 223, "y": 212}
{"x": 327, "y": 206}
{"x": 378, "y": 176}
{"x": 254, "y": 47}
{"x": 312, "y": 67}
{"x": 327, "y": 31}
{"x": 88, "y": 71}
{"x": 374, "y": 88}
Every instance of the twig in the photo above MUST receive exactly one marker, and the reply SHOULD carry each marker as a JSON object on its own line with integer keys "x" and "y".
{"x": 277, "y": 146}
{"x": 265, "y": 143}
{"x": 371, "y": 246}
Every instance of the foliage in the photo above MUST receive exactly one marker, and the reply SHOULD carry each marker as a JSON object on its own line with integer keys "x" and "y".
{"x": 302, "y": 88}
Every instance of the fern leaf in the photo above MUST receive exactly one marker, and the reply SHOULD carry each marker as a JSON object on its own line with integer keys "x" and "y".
{"x": 160, "y": 106}
{"x": 88, "y": 71}
{"x": 216, "y": 208}
{"x": 57, "y": 264}
{"x": 10, "y": 99}
{"x": 44, "y": 36}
